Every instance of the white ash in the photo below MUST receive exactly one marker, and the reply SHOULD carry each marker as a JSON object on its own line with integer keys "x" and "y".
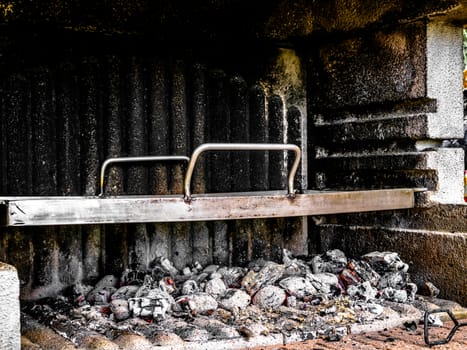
{"x": 301, "y": 299}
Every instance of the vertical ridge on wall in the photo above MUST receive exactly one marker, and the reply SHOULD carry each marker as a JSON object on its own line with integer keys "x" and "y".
{"x": 201, "y": 238}
{"x": 219, "y": 162}
{"x": 159, "y": 145}
{"x": 181, "y": 238}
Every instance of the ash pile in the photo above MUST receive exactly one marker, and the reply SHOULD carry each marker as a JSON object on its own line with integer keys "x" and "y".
{"x": 327, "y": 296}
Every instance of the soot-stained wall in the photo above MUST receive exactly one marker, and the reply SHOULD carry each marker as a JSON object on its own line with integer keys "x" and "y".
{"x": 65, "y": 111}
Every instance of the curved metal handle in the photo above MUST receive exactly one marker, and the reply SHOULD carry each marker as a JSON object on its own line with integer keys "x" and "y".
{"x": 242, "y": 147}
{"x": 109, "y": 161}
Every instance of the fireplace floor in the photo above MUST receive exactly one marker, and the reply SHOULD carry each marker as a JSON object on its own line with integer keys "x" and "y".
{"x": 351, "y": 314}
{"x": 395, "y": 338}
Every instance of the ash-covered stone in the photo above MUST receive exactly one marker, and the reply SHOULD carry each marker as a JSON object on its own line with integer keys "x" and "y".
{"x": 299, "y": 287}
{"x": 332, "y": 261}
{"x": 218, "y": 302}
{"x": 190, "y": 287}
{"x": 357, "y": 272}
{"x": 324, "y": 283}
{"x": 120, "y": 309}
{"x": 267, "y": 275}
{"x": 363, "y": 291}
{"x": 197, "y": 304}
{"x": 215, "y": 287}
{"x": 294, "y": 266}
{"x": 232, "y": 276}
{"x": 269, "y": 297}
{"x": 125, "y": 292}
{"x": 103, "y": 290}
{"x": 386, "y": 262}
{"x": 396, "y": 295}
{"x": 234, "y": 299}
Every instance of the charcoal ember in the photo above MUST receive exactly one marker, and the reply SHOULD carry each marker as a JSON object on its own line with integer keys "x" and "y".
{"x": 215, "y": 287}
{"x": 325, "y": 283}
{"x": 299, "y": 287}
{"x": 202, "y": 277}
{"x": 120, "y": 309}
{"x": 232, "y": 276}
{"x": 210, "y": 269}
{"x": 190, "y": 287}
{"x": 125, "y": 292}
{"x": 145, "y": 287}
{"x": 79, "y": 292}
{"x": 291, "y": 301}
{"x": 197, "y": 304}
{"x": 132, "y": 277}
{"x": 396, "y": 280}
{"x": 386, "y": 262}
{"x": 106, "y": 286}
{"x": 215, "y": 275}
{"x": 154, "y": 303}
{"x": 333, "y": 261}
{"x": 396, "y": 295}
{"x": 269, "y": 297}
{"x": 102, "y": 296}
{"x": 269, "y": 274}
{"x": 92, "y": 313}
{"x": 294, "y": 266}
{"x": 186, "y": 271}
{"x": 363, "y": 291}
{"x": 357, "y": 272}
{"x": 196, "y": 268}
{"x": 234, "y": 299}
{"x": 192, "y": 334}
{"x": 167, "y": 284}
{"x": 164, "y": 266}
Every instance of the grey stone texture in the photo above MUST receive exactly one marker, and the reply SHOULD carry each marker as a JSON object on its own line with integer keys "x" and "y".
{"x": 10, "y": 337}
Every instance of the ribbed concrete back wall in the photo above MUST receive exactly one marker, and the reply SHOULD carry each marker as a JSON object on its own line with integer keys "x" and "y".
{"x": 60, "y": 121}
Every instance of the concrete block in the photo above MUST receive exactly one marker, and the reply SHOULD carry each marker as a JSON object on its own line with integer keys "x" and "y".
{"x": 10, "y": 336}
{"x": 449, "y": 165}
{"x": 444, "y": 75}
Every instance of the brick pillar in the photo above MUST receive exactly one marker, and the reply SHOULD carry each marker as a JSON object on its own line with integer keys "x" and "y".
{"x": 10, "y": 336}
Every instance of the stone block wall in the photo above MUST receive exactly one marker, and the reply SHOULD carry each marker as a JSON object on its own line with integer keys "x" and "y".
{"x": 382, "y": 103}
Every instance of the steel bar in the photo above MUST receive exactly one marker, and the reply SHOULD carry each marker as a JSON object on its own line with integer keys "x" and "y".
{"x": 242, "y": 147}
{"x": 109, "y": 161}
{"x": 37, "y": 211}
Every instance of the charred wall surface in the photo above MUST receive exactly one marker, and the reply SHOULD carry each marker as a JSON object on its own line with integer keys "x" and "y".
{"x": 66, "y": 108}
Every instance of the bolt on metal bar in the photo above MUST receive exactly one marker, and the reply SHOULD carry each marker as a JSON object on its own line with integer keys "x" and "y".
{"x": 242, "y": 147}
{"x": 109, "y": 161}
